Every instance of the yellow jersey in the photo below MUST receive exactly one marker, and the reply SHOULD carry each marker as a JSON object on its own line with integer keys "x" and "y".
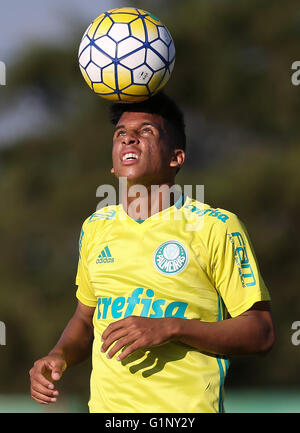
{"x": 189, "y": 261}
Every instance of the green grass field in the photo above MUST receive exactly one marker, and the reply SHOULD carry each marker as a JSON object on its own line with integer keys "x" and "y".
{"x": 236, "y": 401}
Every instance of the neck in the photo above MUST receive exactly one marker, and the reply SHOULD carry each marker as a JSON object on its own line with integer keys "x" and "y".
{"x": 142, "y": 201}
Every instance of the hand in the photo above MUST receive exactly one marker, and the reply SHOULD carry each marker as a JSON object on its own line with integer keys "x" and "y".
{"x": 137, "y": 332}
{"x": 42, "y": 374}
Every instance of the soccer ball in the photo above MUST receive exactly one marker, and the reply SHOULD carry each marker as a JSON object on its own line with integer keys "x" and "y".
{"x": 126, "y": 55}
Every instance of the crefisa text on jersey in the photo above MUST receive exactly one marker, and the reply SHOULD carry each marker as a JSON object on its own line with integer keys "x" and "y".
{"x": 159, "y": 422}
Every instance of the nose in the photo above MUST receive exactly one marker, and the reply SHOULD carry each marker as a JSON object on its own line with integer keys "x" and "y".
{"x": 130, "y": 138}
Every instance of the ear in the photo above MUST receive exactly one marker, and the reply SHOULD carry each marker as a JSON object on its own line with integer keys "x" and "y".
{"x": 112, "y": 171}
{"x": 178, "y": 158}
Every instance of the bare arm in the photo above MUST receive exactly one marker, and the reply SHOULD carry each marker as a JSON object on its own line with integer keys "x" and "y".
{"x": 250, "y": 333}
{"x": 75, "y": 342}
{"x": 73, "y": 346}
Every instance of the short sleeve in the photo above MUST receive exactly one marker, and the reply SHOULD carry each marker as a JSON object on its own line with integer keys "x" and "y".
{"x": 235, "y": 269}
{"x": 85, "y": 292}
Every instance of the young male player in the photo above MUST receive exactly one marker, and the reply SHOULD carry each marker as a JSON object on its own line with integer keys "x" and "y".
{"x": 166, "y": 292}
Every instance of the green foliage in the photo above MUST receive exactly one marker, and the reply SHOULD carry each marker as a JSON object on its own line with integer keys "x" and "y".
{"x": 232, "y": 78}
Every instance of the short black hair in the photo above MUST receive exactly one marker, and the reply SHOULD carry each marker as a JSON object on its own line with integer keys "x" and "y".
{"x": 159, "y": 104}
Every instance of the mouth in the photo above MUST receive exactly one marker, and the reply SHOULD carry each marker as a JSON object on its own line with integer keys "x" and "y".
{"x": 129, "y": 158}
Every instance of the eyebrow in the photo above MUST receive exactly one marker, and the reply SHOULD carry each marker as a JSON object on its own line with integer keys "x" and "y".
{"x": 155, "y": 125}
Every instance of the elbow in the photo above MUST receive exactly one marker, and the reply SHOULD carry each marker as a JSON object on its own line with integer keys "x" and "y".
{"x": 267, "y": 341}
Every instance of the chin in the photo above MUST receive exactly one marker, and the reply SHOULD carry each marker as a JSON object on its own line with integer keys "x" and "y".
{"x": 131, "y": 174}
{"x": 137, "y": 176}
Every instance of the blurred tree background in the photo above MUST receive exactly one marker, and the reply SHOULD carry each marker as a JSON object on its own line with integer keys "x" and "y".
{"x": 232, "y": 78}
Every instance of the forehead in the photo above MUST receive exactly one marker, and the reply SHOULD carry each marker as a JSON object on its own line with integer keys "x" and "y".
{"x": 134, "y": 119}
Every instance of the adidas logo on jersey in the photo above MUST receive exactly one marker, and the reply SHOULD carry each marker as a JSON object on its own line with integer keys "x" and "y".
{"x": 105, "y": 256}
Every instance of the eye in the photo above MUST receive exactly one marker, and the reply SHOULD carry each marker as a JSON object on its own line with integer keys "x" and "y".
{"x": 120, "y": 133}
{"x": 147, "y": 130}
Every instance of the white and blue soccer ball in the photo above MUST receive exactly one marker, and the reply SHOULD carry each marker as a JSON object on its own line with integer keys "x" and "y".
{"x": 126, "y": 55}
